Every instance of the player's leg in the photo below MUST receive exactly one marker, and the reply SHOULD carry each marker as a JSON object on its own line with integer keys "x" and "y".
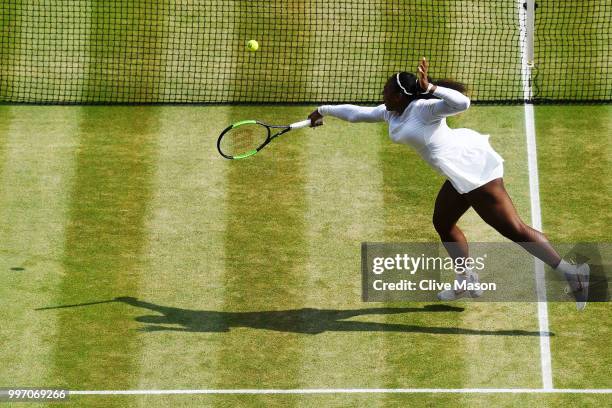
{"x": 449, "y": 207}
{"x": 495, "y": 207}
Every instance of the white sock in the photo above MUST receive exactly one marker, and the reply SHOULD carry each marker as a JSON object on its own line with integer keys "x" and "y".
{"x": 467, "y": 272}
{"x": 460, "y": 277}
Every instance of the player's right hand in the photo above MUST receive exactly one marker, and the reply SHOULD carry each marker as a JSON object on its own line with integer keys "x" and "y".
{"x": 316, "y": 119}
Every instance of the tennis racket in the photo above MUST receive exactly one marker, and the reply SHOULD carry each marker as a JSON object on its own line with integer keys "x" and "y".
{"x": 245, "y": 138}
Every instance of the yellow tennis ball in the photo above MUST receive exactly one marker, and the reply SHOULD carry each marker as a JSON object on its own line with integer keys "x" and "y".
{"x": 252, "y": 45}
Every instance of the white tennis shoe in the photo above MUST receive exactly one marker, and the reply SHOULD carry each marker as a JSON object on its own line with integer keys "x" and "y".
{"x": 452, "y": 294}
{"x": 579, "y": 285}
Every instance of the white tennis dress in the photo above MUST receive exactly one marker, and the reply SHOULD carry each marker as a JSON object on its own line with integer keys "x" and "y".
{"x": 464, "y": 156}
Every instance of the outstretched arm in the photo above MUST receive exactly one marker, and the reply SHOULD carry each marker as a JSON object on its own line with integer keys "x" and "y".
{"x": 350, "y": 113}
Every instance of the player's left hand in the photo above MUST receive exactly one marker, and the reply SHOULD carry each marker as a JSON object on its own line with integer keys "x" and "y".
{"x": 422, "y": 74}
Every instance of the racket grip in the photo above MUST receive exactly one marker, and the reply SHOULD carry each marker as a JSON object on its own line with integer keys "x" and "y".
{"x": 299, "y": 125}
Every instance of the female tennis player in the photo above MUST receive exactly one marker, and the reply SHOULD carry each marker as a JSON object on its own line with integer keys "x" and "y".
{"x": 415, "y": 109}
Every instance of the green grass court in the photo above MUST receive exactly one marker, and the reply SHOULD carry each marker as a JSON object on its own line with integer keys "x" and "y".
{"x": 105, "y": 202}
{"x": 246, "y": 274}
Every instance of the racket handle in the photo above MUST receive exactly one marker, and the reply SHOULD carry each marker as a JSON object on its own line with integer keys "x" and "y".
{"x": 299, "y": 125}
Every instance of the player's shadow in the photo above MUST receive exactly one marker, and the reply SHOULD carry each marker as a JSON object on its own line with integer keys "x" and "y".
{"x": 307, "y": 321}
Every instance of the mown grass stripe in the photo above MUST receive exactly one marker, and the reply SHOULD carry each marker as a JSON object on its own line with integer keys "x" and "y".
{"x": 265, "y": 253}
{"x": 575, "y": 145}
{"x": 185, "y": 251}
{"x": 36, "y": 149}
{"x": 500, "y": 360}
{"x": 106, "y": 233}
{"x": 408, "y": 189}
{"x": 575, "y": 151}
{"x": 103, "y": 248}
{"x": 344, "y": 209}
{"x": 265, "y": 245}
{"x": 6, "y": 118}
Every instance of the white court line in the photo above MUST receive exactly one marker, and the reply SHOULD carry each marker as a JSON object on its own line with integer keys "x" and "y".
{"x": 534, "y": 194}
{"x": 356, "y": 391}
{"x": 536, "y": 222}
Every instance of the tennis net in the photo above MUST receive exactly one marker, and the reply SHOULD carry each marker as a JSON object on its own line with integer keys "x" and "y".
{"x": 190, "y": 51}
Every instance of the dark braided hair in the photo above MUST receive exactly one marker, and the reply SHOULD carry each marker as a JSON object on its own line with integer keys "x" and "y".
{"x": 409, "y": 83}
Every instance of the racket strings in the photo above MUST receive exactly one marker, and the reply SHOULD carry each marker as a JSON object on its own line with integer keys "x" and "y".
{"x": 243, "y": 139}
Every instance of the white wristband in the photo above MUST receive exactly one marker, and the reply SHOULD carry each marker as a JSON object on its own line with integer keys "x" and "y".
{"x": 429, "y": 86}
